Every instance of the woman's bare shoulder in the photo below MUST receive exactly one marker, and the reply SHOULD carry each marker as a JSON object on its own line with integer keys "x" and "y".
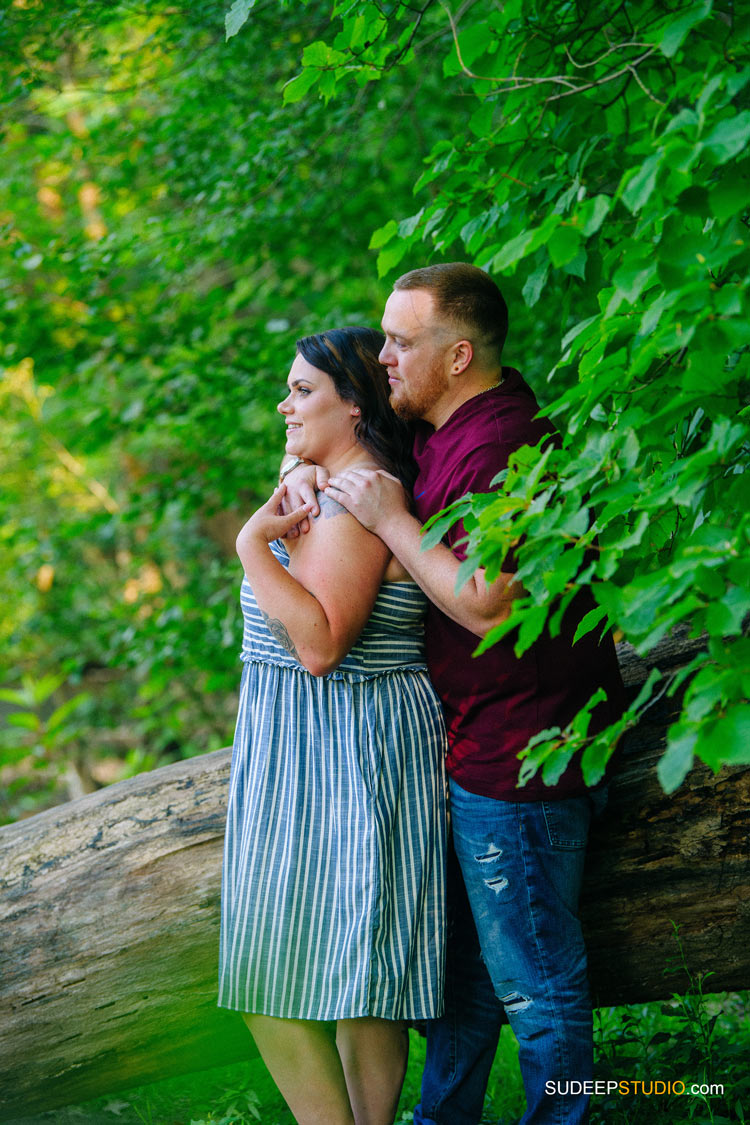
{"x": 329, "y": 508}
{"x": 337, "y": 538}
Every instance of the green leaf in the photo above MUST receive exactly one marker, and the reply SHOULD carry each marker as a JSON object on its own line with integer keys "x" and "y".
{"x": 593, "y": 213}
{"x": 61, "y": 713}
{"x": 729, "y": 137}
{"x": 534, "y": 285}
{"x": 531, "y": 627}
{"x": 555, "y": 766}
{"x": 467, "y": 568}
{"x": 437, "y": 525}
{"x": 407, "y": 227}
{"x": 237, "y": 16}
{"x": 480, "y": 121}
{"x": 356, "y": 32}
{"x": 674, "y": 764}
{"x": 301, "y": 84}
{"x": 726, "y": 616}
{"x": 576, "y": 267}
{"x": 675, "y": 32}
{"x": 524, "y": 243}
{"x": 647, "y": 690}
{"x": 594, "y": 759}
{"x": 391, "y": 256}
{"x": 694, "y": 201}
{"x": 10, "y": 695}
{"x": 383, "y": 234}
{"x": 321, "y": 55}
{"x": 473, "y": 42}
{"x": 632, "y": 281}
{"x": 25, "y": 719}
{"x": 563, "y": 246}
{"x": 727, "y": 739}
{"x": 589, "y": 621}
{"x": 640, "y": 185}
{"x": 576, "y": 331}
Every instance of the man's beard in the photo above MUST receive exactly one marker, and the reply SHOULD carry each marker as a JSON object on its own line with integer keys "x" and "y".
{"x": 414, "y": 406}
{"x": 407, "y": 410}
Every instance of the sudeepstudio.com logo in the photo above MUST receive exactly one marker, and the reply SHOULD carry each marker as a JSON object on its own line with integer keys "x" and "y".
{"x": 627, "y": 1086}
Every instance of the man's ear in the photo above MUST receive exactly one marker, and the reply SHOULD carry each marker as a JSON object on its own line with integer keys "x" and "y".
{"x": 462, "y": 355}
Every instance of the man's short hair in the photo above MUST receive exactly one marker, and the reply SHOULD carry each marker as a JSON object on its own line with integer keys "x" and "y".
{"x": 468, "y": 297}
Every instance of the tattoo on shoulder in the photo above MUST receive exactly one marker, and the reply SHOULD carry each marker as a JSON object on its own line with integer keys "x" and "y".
{"x": 280, "y": 633}
{"x": 329, "y": 507}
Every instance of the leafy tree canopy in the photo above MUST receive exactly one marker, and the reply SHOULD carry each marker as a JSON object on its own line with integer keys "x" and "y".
{"x": 599, "y": 167}
{"x": 186, "y": 190}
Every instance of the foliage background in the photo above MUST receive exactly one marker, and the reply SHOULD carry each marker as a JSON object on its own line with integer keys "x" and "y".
{"x": 177, "y": 207}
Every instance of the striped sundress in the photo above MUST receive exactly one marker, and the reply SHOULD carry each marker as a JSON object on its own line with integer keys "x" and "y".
{"x": 333, "y": 889}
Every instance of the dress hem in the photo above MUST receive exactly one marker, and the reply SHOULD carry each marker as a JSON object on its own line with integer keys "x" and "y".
{"x": 345, "y": 1015}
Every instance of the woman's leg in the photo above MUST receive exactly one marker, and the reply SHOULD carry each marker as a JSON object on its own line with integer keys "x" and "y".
{"x": 305, "y": 1065}
{"x": 374, "y": 1053}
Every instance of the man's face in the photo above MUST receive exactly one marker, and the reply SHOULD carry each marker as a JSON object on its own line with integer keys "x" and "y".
{"x": 416, "y": 353}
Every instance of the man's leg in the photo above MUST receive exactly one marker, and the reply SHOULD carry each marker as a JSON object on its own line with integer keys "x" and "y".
{"x": 461, "y": 1044}
{"x": 523, "y": 866}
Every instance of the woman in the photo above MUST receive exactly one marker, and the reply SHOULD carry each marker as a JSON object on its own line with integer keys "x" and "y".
{"x": 333, "y": 895}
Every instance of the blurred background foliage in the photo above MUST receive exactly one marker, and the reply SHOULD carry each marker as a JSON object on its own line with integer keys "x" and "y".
{"x": 168, "y": 229}
{"x": 177, "y": 207}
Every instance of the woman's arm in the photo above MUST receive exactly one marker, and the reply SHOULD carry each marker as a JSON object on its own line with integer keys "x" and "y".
{"x": 317, "y": 608}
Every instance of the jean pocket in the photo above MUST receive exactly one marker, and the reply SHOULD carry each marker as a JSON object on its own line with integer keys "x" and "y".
{"x": 568, "y": 821}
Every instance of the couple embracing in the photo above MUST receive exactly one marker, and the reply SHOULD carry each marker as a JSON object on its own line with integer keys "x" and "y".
{"x": 346, "y": 912}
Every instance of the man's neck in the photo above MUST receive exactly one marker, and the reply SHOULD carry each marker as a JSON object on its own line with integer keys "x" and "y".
{"x": 459, "y": 393}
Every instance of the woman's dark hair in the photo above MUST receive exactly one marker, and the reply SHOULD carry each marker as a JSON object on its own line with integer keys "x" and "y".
{"x": 349, "y": 356}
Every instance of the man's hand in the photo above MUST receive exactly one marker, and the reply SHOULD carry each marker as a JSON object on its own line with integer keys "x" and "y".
{"x": 379, "y": 503}
{"x": 301, "y": 485}
{"x": 372, "y": 496}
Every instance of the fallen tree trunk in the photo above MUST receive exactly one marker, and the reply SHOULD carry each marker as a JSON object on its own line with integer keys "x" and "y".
{"x": 110, "y": 915}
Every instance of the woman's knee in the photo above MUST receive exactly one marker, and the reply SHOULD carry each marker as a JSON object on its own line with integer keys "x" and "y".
{"x": 372, "y": 1038}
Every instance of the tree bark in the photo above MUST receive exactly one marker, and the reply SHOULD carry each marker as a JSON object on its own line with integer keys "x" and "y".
{"x": 110, "y": 914}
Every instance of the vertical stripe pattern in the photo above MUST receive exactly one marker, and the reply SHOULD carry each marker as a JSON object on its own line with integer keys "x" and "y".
{"x": 333, "y": 894}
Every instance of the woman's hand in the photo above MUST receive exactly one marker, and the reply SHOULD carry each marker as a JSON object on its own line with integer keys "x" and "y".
{"x": 302, "y": 484}
{"x": 269, "y": 522}
{"x": 323, "y": 599}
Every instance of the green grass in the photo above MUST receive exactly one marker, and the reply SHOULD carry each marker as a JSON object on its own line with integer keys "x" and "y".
{"x": 690, "y": 1038}
{"x": 244, "y": 1094}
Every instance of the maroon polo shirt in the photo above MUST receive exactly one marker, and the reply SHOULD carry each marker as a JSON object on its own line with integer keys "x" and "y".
{"x": 495, "y": 702}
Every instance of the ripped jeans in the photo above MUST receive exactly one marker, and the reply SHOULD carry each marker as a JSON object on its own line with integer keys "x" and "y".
{"x": 522, "y": 866}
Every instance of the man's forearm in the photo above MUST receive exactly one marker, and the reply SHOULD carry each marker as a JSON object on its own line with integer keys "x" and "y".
{"x": 477, "y": 606}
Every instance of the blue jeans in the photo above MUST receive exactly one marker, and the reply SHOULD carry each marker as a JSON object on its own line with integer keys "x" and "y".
{"x": 515, "y": 954}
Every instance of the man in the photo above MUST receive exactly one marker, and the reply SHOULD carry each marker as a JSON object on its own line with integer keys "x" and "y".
{"x": 520, "y": 850}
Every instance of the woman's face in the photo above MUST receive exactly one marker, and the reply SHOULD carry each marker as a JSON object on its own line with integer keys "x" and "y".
{"x": 319, "y": 425}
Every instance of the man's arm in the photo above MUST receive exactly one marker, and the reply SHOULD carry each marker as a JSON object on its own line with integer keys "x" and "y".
{"x": 379, "y": 503}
